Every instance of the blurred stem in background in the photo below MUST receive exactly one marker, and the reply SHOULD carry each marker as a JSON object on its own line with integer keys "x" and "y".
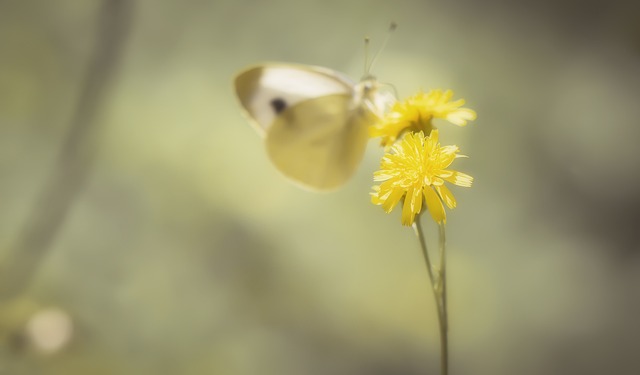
{"x": 439, "y": 286}
{"x": 68, "y": 175}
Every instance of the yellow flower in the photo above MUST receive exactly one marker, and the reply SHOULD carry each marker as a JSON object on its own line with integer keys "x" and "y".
{"x": 416, "y": 168}
{"x": 416, "y": 114}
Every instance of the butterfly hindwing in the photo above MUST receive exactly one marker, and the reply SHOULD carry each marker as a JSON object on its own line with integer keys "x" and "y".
{"x": 319, "y": 143}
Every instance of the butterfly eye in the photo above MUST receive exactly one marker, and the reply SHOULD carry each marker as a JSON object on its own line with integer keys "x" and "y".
{"x": 367, "y": 87}
{"x": 278, "y": 105}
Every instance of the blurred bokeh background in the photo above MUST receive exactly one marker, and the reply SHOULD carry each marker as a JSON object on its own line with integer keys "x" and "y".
{"x": 144, "y": 231}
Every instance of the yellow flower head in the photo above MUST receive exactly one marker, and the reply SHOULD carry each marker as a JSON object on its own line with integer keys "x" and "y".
{"x": 416, "y": 168}
{"x": 416, "y": 114}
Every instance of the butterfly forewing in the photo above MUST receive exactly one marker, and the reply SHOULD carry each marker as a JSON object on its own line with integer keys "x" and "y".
{"x": 266, "y": 90}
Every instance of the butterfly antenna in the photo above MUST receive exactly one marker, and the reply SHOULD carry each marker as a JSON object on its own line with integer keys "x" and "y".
{"x": 367, "y": 43}
{"x": 392, "y": 27}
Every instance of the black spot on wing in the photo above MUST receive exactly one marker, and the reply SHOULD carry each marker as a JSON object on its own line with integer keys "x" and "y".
{"x": 278, "y": 105}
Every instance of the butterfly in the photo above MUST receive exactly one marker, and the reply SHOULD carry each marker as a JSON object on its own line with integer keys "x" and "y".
{"x": 315, "y": 120}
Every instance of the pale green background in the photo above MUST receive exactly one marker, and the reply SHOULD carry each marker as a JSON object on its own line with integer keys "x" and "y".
{"x": 186, "y": 252}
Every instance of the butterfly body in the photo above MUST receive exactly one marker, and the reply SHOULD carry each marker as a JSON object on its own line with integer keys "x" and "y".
{"x": 314, "y": 119}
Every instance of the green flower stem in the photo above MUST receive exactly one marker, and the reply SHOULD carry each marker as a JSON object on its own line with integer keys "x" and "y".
{"x": 444, "y": 321}
{"x": 438, "y": 284}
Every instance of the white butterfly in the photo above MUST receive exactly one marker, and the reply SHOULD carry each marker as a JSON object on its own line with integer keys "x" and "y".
{"x": 314, "y": 119}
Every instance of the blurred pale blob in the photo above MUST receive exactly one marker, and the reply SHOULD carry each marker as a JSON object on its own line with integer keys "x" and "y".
{"x": 49, "y": 330}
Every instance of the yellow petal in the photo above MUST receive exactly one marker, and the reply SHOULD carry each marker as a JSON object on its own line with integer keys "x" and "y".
{"x": 381, "y": 175}
{"x": 434, "y": 205}
{"x": 460, "y": 179}
{"x": 416, "y": 200}
{"x": 447, "y": 156}
{"x": 433, "y": 136}
{"x": 461, "y": 116}
{"x": 393, "y": 199}
{"x": 447, "y": 196}
{"x": 407, "y": 213}
{"x": 375, "y": 196}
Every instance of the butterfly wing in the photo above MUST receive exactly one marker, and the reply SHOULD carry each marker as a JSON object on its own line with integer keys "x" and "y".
{"x": 314, "y": 120}
{"x": 320, "y": 142}
{"x": 264, "y": 91}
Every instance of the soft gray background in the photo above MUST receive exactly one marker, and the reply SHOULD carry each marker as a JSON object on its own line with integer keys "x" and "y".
{"x": 185, "y": 252}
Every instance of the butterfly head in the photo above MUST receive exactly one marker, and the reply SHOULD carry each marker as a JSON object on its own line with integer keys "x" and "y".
{"x": 376, "y": 97}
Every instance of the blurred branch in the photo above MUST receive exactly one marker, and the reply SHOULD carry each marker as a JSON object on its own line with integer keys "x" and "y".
{"x": 54, "y": 202}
